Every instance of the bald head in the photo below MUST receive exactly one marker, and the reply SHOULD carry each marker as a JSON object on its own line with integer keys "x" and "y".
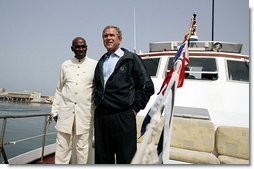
{"x": 78, "y": 39}
{"x": 79, "y": 47}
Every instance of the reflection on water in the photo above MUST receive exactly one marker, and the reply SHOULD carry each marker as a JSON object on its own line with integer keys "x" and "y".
{"x": 20, "y": 128}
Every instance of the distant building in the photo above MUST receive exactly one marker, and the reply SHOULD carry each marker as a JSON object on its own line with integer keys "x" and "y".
{"x": 2, "y": 90}
{"x": 26, "y": 96}
{"x": 36, "y": 97}
{"x": 15, "y": 96}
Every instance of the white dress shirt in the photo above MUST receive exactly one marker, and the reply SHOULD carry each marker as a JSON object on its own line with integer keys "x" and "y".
{"x": 110, "y": 63}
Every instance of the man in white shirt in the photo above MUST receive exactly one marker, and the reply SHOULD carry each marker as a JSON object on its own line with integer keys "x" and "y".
{"x": 72, "y": 108}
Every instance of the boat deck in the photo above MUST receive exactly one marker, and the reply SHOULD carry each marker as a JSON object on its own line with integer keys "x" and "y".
{"x": 50, "y": 159}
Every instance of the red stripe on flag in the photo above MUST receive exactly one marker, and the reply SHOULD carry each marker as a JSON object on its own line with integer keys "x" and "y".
{"x": 166, "y": 80}
{"x": 182, "y": 74}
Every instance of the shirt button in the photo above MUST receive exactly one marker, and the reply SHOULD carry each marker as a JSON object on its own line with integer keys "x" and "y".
{"x": 78, "y": 66}
{"x": 74, "y": 112}
{"x": 76, "y": 83}
{"x": 77, "y": 74}
{"x": 75, "y": 103}
{"x": 76, "y": 93}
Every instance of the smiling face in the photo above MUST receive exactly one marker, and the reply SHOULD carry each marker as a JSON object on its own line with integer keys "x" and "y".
{"x": 111, "y": 39}
{"x": 79, "y": 47}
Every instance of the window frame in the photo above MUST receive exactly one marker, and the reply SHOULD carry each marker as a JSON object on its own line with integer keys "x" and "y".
{"x": 158, "y": 67}
{"x": 216, "y": 72}
{"x": 227, "y": 70}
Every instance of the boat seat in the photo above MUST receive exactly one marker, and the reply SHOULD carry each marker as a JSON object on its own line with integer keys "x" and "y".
{"x": 192, "y": 140}
{"x": 232, "y": 144}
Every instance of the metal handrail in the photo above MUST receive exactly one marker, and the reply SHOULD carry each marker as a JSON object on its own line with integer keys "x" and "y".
{"x": 28, "y": 138}
{"x": 23, "y": 115}
{"x": 5, "y": 117}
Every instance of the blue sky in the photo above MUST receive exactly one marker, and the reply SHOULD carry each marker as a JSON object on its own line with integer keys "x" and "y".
{"x": 36, "y": 35}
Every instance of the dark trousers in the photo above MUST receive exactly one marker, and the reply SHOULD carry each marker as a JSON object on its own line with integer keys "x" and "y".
{"x": 115, "y": 136}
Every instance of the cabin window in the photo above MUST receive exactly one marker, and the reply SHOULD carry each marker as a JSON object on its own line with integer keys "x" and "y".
{"x": 151, "y": 65}
{"x": 199, "y": 68}
{"x": 238, "y": 70}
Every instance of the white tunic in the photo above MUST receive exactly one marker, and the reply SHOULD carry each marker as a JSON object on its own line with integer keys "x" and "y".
{"x": 73, "y": 97}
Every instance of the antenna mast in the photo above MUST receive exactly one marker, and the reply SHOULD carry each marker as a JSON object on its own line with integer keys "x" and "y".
{"x": 134, "y": 31}
{"x": 212, "y": 20}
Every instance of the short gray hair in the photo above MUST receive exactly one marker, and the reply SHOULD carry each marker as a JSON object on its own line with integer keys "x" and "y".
{"x": 119, "y": 32}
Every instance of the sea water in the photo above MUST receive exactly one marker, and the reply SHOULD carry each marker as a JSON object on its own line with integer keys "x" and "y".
{"x": 18, "y": 129}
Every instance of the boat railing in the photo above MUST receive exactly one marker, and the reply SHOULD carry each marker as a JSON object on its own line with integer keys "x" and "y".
{"x": 4, "y": 124}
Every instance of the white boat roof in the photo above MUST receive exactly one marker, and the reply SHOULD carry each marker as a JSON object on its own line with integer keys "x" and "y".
{"x": 196, "y": 46}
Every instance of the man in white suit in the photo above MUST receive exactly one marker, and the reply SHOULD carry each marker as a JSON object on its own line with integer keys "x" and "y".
{"x": 72, "y": 108}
